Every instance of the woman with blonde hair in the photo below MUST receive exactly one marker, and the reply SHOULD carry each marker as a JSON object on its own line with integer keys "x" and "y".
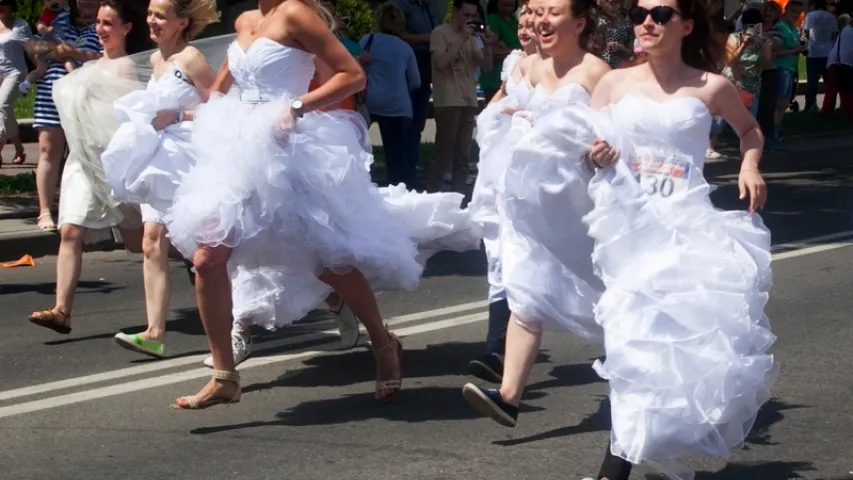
{"x": 392, "y": 75}
{"x": 150, "y": 152}
{"x": 276, "y": 214}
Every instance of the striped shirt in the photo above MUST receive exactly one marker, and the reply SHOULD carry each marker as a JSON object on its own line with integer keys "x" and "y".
{"x": 83, "y": 38}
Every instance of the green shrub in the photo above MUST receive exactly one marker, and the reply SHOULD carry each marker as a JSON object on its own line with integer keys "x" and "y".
{"x": 356, "y": 16}
{"x": 29, "y": 10}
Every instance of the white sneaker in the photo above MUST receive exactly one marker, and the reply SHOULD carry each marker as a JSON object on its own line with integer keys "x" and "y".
{"x": 242, "y": 350}
{"x": 347, "y": 326}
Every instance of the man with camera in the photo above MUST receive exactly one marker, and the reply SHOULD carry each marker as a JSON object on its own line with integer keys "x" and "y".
{"x": 456, "y": 55}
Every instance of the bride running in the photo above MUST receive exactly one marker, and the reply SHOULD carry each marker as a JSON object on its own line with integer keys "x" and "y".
{"x": 499, "y": 126}
{"x": 150, "y": 152}
{"x": 544, "y": 250}
{"x": 685, "y": 332}
{"x": 282, "y": 198}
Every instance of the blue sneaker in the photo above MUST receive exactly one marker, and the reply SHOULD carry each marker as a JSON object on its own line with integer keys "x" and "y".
{"x": 491, "y": 404}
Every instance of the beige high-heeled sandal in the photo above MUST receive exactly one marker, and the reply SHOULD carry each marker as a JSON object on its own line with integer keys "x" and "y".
{"x": 393, "y": 347}
{"x": 192, "y": 402}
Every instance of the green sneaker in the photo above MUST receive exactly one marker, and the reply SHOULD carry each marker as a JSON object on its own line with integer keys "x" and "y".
{"x": 138, "y": 344}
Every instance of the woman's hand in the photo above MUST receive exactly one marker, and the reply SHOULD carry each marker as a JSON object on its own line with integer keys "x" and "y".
{"x": 163, "y": 119}
{"x": 285, "y": 121}
{"x": 601, "y": 155}
{"x": 750, "y": 182}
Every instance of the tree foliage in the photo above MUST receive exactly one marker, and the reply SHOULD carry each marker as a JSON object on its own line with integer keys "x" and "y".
{"x": 356, "y": 17}
{"x": 29, "y": 10}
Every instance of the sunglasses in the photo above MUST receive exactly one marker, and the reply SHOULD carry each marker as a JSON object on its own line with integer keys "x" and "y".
{"x": 661, "y": 14}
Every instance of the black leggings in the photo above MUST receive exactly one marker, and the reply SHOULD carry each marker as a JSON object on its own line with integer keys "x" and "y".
{"x": 613, "y": 467}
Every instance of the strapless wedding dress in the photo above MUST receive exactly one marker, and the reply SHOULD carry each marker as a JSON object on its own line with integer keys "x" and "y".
{"x": 686, "y": 337}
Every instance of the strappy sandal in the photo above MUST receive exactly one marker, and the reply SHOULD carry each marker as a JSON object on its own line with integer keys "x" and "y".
{"x": 192, "y": 403}
{"x": 47, "y": 226}
{"x": 55, "y": 319}
{"x": 20, "y": 159}
{"x": 392, "y": 386}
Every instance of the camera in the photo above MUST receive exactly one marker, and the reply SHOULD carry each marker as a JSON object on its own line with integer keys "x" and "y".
{"x": 479, "y": 27}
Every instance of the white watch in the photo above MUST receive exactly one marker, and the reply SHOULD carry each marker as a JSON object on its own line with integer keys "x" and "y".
{"x": 297, "y": 107}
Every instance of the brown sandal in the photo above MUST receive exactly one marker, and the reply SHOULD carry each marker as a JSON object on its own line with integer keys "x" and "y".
{"x": 55, "y": 319}
{"x": 190, "y": 402}
{"x": 393, "y": 347}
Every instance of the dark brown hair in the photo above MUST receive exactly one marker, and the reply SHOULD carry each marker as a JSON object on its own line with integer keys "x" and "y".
{"x": 130, "y": 12}
{"x": 588, "y": 10}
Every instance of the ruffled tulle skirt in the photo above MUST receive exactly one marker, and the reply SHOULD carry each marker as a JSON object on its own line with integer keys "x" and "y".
{"x": 683, "y": 315}
{"x": 545, "y": 251}
{"x": 142, "y": 165}
{"x": 290, "y": 205}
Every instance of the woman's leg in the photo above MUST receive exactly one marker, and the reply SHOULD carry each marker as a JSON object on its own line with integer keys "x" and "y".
{"x": 8, "y": 123}
{"x": 613, "y": 467}
{"x": 354, "y": 289}
{"x": 68, "y": 265}
{"x": 213, "y": 294}
{"x": 156, "y": 278}
{"x": 51, "y": 149}
{"x": 522, "y": 346}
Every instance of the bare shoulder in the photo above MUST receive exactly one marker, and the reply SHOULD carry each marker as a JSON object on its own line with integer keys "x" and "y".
{"x": 715, "y": 82}
{"x": 248, "y": 20}
{"x": 192, "y": 61}
{"x": 155, "y": 58}
{"x": 595, "y": 68}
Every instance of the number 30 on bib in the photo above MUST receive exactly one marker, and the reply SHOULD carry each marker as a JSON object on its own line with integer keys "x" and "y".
{"x": 661, "y": 175}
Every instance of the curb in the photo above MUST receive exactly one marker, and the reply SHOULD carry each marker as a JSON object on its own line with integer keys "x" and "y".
{"x": 40, "y": 244}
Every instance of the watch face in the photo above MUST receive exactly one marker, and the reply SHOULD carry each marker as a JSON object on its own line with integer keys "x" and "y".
{"x": 297, "y": 104}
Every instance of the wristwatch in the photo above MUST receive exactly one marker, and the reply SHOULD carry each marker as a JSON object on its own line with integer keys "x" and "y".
{"x": 297, "y": 107}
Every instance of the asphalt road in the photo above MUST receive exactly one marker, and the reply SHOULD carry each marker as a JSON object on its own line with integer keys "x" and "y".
{"x": 80, "y": 407}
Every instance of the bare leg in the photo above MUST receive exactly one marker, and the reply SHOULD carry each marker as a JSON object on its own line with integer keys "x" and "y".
{"x": 51, "y": 148}
{"x": 354, "y": 289}
{"x": 68, "y": 266}
{"x": 158, "y": 282}
{"x": 213, "y": 294}
{"x": 522, "y": 346}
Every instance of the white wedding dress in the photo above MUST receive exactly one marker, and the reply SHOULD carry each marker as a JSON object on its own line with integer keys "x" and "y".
{"x": 145, "y": 166}
{"x": 683, "y": 314}
{"x": 291, "y": 204}
{"x": 497, "y": 134}
{"x": 84, "y": 100}
{"x": 544, "y": 250}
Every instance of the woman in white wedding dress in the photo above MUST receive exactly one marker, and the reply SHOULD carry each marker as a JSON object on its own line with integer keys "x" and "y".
{"x": 685, "y": 333}
{"x": 84, "y": 100}
{"x": 150, "y": 151}
{"x": 544, "y": 250}
{"x": 498, "y": 128}
{"x": 282, "y": 198}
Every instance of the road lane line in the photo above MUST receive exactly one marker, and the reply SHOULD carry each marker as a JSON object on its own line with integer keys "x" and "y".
{"x": 801, "y": 247}
{"x": 806, "y": 242}
{"x": 812, "y": 250}
{"x": 182, "y": 361}
{"x": 149, "y": 383}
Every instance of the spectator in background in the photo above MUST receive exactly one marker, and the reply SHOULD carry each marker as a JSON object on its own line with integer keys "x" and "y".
{"x": 392, "y": 75}
{"x": 455, "y": 58}
{"x": 840, "y": 71}
{"x": 786, "y": 62}
{"x": 422, "y": 17}
{"x": 13, "y": 66}
{"x": 748, "y": 54}
{"x": 820, "y": 30}
{"x": 617, "y": 33}
{"x": 501, "y": 20}
{"x": 771, "y": 12}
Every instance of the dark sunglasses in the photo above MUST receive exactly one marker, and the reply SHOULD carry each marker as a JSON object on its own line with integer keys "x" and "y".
{"x": 661, "y": 14}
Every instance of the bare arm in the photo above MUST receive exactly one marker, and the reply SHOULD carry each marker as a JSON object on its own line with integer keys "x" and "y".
{"x": 223, "y": 80}
{"x": 63, "y": 51}
{"x": 201, "y": 76}
{"x": 348, "y": 77}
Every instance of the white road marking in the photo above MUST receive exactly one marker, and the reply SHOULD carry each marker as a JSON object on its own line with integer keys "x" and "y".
{"x": 179, "y": 362}
{"x": 811, "y": 241}
{"x": 802, "y": 248}
{"x": 148, "y": 383}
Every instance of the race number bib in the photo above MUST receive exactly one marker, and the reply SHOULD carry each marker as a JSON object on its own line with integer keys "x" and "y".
{"x": 661, "y": 175}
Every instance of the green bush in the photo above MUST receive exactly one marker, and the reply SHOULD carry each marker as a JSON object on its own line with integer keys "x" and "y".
{"x": 356, "y": 16}
{"x": 29, "y": 10}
